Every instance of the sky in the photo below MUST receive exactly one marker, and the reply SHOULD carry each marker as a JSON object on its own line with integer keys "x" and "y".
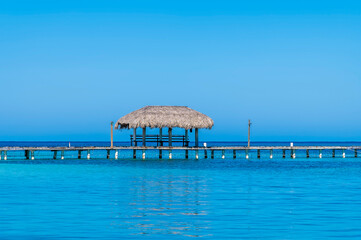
{"x": 69, "y": 68}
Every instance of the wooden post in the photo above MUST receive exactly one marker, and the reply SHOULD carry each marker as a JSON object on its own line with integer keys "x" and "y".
{"x": 196, "y": 137}
{"x": 333, "y": 153}
{"x": 247, "y": 156}
{"x": 1, "y": 154}
{"x": 197, "y": 154}
{"x": 5, "y": 155}
{"x": 143, "y": 153}
{"x": 223, "y": 154}
{"x": 355, "y": 153}
{"x": 284, "y": 153}
{"x": 161, "y": 136}
{"x": 169, "y": 137}
{"x": 134, "y": 154}
{"x": 170, "y": 154}
{"x": 249, "y": 133}
{"x": 258, "y": 153}
{"x": 212, "y": 154}
{"x": 271, "y": 154}
{"x": 54, "y": 154}
{"x": 186, "y": 154}
{"x": 79, "y": 154}
{"x": 135, "y": 136}
{"x": 343, "y": 153}
{"x": 111, "y": 134}
{"x": 234, "y": 154}
{"x": 144, "y": 131}
{"x": 116, "y": 154}
{"x": 205, "y": 154}
{"x": 88, "y": 154}
{"x": 32, "y": 155}
{"x": 320, "y": 155}
{"x": 108, "y": 154}
{"x": 186, "y": 137}
{"x": 62, "y": 154}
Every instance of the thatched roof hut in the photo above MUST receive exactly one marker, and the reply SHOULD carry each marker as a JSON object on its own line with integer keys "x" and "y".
{"x": 165, "y": 116}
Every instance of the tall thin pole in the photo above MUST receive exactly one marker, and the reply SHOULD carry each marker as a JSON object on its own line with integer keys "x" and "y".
{"x": 111, "y": 134}
{"x": 196, "y": 137}
{"x": 169, "y": 137}
{"x": 144, "y": 137}
{"x": 249, "y": 133}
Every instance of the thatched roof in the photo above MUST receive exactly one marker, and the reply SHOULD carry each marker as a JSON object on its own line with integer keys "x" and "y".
{"x": 165, "y": 116}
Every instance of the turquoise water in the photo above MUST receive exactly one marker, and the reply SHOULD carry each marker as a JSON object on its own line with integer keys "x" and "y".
{"x": 181, "y": 199}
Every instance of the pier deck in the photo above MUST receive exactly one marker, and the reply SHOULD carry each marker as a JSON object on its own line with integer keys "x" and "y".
{"x": 113, "y": 152}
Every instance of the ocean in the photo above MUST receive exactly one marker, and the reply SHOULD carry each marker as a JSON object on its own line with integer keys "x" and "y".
{"x": 302, "y": 198}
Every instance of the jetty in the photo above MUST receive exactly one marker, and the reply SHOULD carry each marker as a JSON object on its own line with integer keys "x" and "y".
{"x": 170, "y": 117}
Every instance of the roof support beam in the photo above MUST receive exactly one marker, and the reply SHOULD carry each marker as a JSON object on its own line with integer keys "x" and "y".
{"x": 170, "y": 137}
{"x": 144, "y": 137}
{"x": 196, "y": 137}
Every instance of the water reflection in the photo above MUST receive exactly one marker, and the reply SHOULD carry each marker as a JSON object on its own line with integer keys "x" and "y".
{"x": 166, "y": 204}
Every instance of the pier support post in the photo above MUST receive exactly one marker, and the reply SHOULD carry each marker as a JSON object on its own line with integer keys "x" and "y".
{"x": 234, "y": 154}
{"x": 54, "y": 154}
{"x": 247, "y": 156}
{"x": 258, "y": 153}
{"x": 108, "y": 154}
{"x": 333, "y": 153}
{"x": 205, "y": 154}
{"x": 143, "y": 154}
{"x": 5, "y": 155}
{"x": 62, "y": 154}
{"x": 27, "y": 154}
{"x": 160, "y": 154}
{"x": 32, "y": 155}
{"x": 271, "y": 154}
{"x": 223, "y": 154}
{"x": 212, "y": 154}
{"x": 355, "y": 153}
{"x": 1, "y": 154}
{"x": 134, "y": 154}
{"x": 197, "y": 155}
{"x": 135, "y": 136}
{"x": 293, "y": 153}
{"x": 320, "y": 155}
{"x": 170, "y": 154}
{"x": 186, "y": 154}
{"x": 111, "y": 134}
{"x": 79, "y": 154}
{"x": 284, "y": 153}
{"x": 116, "y": 154}
{"x": 343, "y": 153}
{"x": 307, "y": 153}
{"x": 88, "y": 155}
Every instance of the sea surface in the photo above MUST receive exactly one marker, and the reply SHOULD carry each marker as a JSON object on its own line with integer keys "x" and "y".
{"x": 181, "y": 199}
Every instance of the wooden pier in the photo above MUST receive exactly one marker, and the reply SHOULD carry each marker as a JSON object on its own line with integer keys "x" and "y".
{"x": 223, "y": 152}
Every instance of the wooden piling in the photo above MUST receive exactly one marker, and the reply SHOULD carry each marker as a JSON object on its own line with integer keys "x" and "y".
{"x": 197, "y": 155}
{"x": 223, "y": 154}
{"x": 258, "y": 153}
{"x": 205, "y": 154}
{"x": 333, "y": 153}
{"x": 307, "y": 153}
{"x": 116, "y": 154}
{"x": 134, "y": 154}
{"x": 247, "y": 156}
{"x": 212, "y": 154}
{"x": 1, "y": 154}
{"x": 108, "y": 154}
{"x": 234, "y": 154}
{"x": 320, "y": 155}
{"x": 271, "y": 154}
{"x": 160, "y": 154}
{"x": 5, "y": 155}
{"x": 355, "y": 153}
{"x": 143, "y": 154}
{"x": 170, "y": 154}
{"x": 79, "y": 154}
{"x": 54, "y": 154}
{"x": 32, "y": 155}
{"x": 88, "y": 155}
{"x": 284, "y": 153}
{"x": 27, "y": 154}
{"x": 186, "y": 154}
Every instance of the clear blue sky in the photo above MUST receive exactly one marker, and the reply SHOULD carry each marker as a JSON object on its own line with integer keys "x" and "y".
{"x": 68, "y": 68}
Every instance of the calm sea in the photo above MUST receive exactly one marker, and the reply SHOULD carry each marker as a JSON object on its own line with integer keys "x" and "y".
{"x": 181, "y": 199}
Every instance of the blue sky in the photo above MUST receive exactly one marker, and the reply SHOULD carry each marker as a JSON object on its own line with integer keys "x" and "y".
{"x": 68, "y": 68}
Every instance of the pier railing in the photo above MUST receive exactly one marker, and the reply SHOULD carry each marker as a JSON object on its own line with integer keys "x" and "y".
{"x": 140, "y": 152}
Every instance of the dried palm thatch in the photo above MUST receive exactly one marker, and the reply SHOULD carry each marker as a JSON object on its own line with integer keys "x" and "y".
{"x": 165, "y": 116}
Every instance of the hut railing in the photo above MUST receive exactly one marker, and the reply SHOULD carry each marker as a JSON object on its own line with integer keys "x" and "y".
{"x": 156, "y": 138}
